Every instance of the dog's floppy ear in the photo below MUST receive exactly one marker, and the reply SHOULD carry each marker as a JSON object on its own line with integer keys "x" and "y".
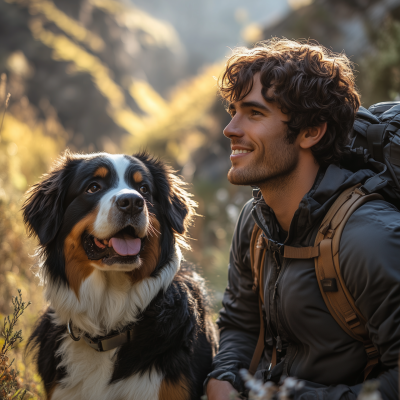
{"x": 43, "y": 209}
{"x": 175, "y": 201}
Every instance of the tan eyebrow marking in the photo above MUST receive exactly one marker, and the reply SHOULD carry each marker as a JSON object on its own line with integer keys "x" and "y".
{"x": 101, "y": 172}
{"x": 137, "y": 177}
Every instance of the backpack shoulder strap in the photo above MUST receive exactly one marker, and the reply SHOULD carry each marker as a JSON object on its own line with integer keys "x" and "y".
{"x": 257, "y": 256}
{"x": 257, "y": 253}
{"x": 337, "y": 297}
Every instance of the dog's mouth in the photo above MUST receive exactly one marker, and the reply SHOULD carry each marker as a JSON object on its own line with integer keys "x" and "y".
{"x": 123, "y": 248}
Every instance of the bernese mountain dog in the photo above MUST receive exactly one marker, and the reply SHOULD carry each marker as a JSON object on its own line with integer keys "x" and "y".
{"x": 126, "y": 320}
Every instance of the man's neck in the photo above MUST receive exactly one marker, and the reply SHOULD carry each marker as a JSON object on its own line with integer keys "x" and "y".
{"x": 283, "y": 194}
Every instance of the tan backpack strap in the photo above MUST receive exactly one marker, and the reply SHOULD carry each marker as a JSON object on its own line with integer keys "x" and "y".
{"x": 257, "y": 246}
{"x": 331, "y": 283}
{"x": 257, "y": 256}
{"x": 260, "y": 344}
{"x": 300, "y": 252}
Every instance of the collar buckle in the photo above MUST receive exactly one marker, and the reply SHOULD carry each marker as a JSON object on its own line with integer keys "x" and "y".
{"x": 104, "y": 343}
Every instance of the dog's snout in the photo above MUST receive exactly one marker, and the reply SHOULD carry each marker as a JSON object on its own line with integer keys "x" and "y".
{"x": 130, "y": 203}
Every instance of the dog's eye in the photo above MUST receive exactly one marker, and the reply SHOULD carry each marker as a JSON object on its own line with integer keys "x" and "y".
{"x": 143, "y": 189}
{"x": 93, "y": 188}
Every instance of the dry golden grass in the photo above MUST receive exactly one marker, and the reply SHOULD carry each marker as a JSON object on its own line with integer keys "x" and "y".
{"x": 27, "y": 147}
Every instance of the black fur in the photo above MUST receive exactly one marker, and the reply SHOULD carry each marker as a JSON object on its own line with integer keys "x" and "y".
{"x": 46, "y": 340}
{"x": 174, "y": 336}
{"x": 174, "y": 202}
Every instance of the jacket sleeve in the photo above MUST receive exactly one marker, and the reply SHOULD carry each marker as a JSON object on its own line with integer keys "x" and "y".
{"x": 370, "y": 264}
{"x": 239, "y": 320}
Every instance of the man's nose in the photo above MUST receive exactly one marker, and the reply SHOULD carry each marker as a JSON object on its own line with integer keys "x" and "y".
{"x": 130, "y": 203}
{"x": 233, "y": 129}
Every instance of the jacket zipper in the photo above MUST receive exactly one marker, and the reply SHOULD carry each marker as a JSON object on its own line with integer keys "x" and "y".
{"x": 280, "y": 269}
{"x": 290, "y": 362}
{"x": 277, "y": 339}
{"x": 282, "y": 319}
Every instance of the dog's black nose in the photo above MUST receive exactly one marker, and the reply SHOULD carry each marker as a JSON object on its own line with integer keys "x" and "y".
{"x": 130, "y": 203}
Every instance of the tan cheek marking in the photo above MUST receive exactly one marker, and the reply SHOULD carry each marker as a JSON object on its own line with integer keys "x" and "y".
{"x": 101, "y": 172}
{"x": 176, "y": 391}
{"x": 49, "y": 393}
{"x": 77, "y": 265}
{"x": 137, "y": 177}
{"x": 150, "y": 254}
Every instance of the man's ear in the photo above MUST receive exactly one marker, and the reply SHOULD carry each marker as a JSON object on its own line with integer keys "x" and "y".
{"x": 311, "y": 136}
{"x": 176, "y": 203}
{"x": 43, "y": 209}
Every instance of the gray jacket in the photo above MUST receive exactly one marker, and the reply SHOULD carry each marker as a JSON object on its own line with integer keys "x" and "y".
{"x": 314, "y": 348}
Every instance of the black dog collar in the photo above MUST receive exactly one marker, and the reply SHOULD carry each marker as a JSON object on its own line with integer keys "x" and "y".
{"x": 104, "y": 343}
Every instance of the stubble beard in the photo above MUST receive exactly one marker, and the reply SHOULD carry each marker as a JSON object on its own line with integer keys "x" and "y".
{"x": 272, "y": 171}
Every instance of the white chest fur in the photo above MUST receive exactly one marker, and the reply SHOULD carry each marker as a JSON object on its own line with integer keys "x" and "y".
{"x": 89, "y": 373}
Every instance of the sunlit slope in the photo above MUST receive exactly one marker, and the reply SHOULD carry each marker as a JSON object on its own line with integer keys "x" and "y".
{"x": 83, "y": 57}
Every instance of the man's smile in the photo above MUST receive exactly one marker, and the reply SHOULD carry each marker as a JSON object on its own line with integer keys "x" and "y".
{"x": 239, "y": 152}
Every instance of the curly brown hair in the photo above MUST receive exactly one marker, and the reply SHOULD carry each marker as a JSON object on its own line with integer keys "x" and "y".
{"x": 310, "y": 84}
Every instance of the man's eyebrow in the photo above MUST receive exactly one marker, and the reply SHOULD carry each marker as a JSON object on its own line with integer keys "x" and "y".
{"x": 254, "y": 104}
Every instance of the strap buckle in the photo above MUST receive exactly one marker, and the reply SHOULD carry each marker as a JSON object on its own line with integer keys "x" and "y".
{"x": 371, "y": 351}
{"x": 276, "y": 247}
{"x": 352, "y": 320}
{"x": 329, "y": 285}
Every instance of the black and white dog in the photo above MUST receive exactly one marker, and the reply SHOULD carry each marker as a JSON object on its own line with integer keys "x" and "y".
{"x": 126, "y": 320}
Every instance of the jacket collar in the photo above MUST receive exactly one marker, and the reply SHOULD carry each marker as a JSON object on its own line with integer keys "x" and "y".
{"x": 315, "y": 204}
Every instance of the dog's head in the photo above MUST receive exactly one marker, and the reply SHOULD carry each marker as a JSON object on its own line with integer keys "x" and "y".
{"x": 107, "y": 212}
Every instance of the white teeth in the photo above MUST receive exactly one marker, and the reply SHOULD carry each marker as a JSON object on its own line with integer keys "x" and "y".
{"x": 240, "y": 151}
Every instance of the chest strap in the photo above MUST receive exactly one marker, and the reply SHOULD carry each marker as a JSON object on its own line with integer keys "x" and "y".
{"x": 290, "y": 251}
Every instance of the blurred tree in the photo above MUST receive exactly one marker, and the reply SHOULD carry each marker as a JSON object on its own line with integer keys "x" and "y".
{"x": 366, "y": 30}
{"x": 379, "y": 78}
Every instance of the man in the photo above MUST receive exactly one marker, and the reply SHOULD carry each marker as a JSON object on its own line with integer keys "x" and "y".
{"x": 292, "y": 107}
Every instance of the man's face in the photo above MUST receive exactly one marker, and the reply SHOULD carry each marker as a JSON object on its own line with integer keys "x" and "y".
{"x": 257, "y": 130}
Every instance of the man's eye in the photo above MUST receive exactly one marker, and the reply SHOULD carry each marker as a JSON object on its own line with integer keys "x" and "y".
{"x": 143, "y": 189}
{"x": 93, "y": 188}
{"x": 255, "y": 112}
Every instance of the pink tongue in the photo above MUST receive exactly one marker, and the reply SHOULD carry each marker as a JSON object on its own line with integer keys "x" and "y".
{"x": 126, "y": 246}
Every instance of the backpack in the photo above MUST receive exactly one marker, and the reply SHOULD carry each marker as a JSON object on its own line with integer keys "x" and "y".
{"x": 374, "y": 144}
